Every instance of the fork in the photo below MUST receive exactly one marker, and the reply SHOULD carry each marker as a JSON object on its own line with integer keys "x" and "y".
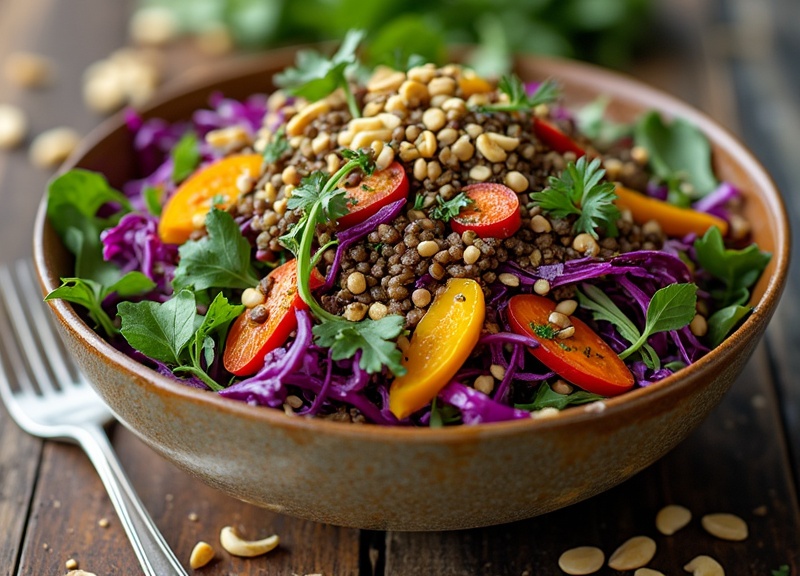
{"x": 52, "y": 400}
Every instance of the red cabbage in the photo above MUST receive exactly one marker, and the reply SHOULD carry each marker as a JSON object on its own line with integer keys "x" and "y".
{"x": 476, "y": 407}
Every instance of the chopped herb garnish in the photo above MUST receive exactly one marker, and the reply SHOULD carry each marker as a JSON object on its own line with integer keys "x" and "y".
{"x": 449, "y": 209}
{"x": 419, "y": 201}
{"x": 277, "y": 146}
{"x": 544, "y": 331}
{"x": 518, "y": 99}
{"x": 321, "y": 201}
{"x": 581, "y": 191}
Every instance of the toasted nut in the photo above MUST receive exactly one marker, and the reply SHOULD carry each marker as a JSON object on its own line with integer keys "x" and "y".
{"x": 396, "y": 105}
{"x": 427, "y": 248}
{"x": 384, "y": 158}
{"x": 28, "y": 70}
{"x": 471, "y": 255}
{"x": 442, "y": 86}
{"x": 507, "y": 143}
{"x": 484, "y": 383}
{"x": 447, "y": 136}
{"x": 434, "y": 119}
{"x": 234, "y": 544}
{"x": 647, "y": 572}
{"x": 725, "y": 526}
{"x": 251, "y": 297}
{"x": 516, "y": 181}
{"x": 52, "y": 147}
{"x": 408, "y": 152}
{"x": 420, "y": 169}
{"x": 704, "y": 566}
{"x": 581, "y": 560}
{"x": 497, "y": 371}
{"x": 634, "y": 553}
{"x": 565, "y": 333}
{"x": 540, "y": 224}
{"x": 413, "y": 93}
{"x": 434, "y": 169}
{"x": 389, "y": 121}
{"x": 71, "y": 564}
{"x": 480, "y": 173}
{"x": 298, "y": 123}
{"x": 509, "y": 279}
{"x": 355, "y": 311}
{"x": 153, "y": 26}
{"x": 202, "y": 554}
{"x": 567, "y": 307}
{"x": 672, "y": 518}
{"x": 423, "y": 74}
{"x": 544, "y": 413}
{"x": 585, "y": 244}
{"x": 559, "y": 319}
{"x": 366, "y": 138}
{"x": 426, "y": 144}
{"x": 357, "y": 125}
{"x": 562, "y": 387}
{"x": 490, "y": 150}
{"x": 13, "y": 126}
{"x": 385, "y": 79}
{"x": 541, "y": 287}
{"x": 228, "y": 138}
{"x": 639, "y": 155}
{"x": 698, "y": 325}
{"x": 463, "y": 148}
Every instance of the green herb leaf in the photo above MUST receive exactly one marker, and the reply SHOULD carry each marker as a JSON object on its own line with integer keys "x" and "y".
{"x": 678, "y": 152}
{"x": 374, "y": 338}
{"x": 580, "y": 191}
{"x": 670, "y": 308}
{"x": 723, "y": 321}
{"x": 86, "y": 293}
{"x": 783, "y": 570}
{"x": 277, "y": 146}
{"x": 419, "y": 201}
{"x": 445, "y": 415}
{"x": 153, "y": 197}
{"x": 593, "y": 122}
{"x": 185, "y": 157}
{"x": 160, "y": 331}
{"x": 518, "y": 99}
{"x": 736, "y": 270}
{"x": 547, "y": 398}
{"x": 406, "y": 41}
{"x": 449, "y": 209}
{"x": 222, "y": 259}
{"x": 315, "y": 76}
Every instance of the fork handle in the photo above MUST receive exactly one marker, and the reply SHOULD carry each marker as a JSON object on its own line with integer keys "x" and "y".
{"x": 153, "y": 552}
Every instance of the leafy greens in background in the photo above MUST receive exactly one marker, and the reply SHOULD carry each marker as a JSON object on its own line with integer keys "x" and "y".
{"x": 603, "y": 31}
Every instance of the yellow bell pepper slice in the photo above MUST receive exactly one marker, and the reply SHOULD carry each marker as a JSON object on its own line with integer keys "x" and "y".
{"x": 440, "y": 345}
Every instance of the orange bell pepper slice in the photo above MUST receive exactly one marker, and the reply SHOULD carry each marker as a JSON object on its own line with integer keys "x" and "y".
{"x": 440, "y": 345}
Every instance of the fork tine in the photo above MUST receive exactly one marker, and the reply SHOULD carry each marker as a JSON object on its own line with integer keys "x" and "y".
{"x": 16, "y": 365}
{"x": 52, "y": 346}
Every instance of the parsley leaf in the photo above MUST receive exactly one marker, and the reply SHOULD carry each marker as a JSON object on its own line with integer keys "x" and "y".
{"x": 547, "y": 398}
{"x": 315, "y": 76}
{"x": 185, "y": 157}
{"x": 373, "y": 337}
{"x": 518, "y": 99}
{"x": 723, "y": 321}
{"x": 446, "y": 210}
{"x": 580, "y": 191}
{"x": 736, "y": 270}
{"x": 277, "y": 146}
{"x": 219, "y": 260}
{"x": 678, "y": 152}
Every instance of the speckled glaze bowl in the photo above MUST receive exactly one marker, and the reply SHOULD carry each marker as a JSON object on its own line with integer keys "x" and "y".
{"x": 417, "y": 479}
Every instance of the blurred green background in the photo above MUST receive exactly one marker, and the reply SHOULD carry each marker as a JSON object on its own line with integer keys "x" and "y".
{"x": 606, "y": 32}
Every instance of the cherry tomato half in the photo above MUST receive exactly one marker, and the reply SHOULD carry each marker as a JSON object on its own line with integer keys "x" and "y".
{"x": 493, "y": 213}
{"x": 374, "y": 192}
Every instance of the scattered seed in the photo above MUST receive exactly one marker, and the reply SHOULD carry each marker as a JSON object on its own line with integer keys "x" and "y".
{"x": 193, "y": 517}
{"x": 71, "y": 564}
{"x": 672, "y": 518}
{"x": 497, "y": 371}
{"x": 704, "y": 566}
{"x": 725, "y": 526}
{"x": 202, "y": 554}
{"x": 540, "y": 224}
{"x": 153, "y": 26}
{"x": 634, "y": 553}
{"x": 581, "y": 560}
{"x": 13, "y": 126}
{"x": 508, "y": 279}
{"x": 103, "y": 523}
{"x": 562, "y": 387}
{"x": 51, "y": 148}
{"x": 567, "y": 307}
{"x": 484, "y": 383}
{"x": 647, "y": 572}
{"x": 28, "y": 70}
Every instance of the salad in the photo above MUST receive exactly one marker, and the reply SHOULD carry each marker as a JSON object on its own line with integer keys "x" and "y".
{"x": 424, "y": 247}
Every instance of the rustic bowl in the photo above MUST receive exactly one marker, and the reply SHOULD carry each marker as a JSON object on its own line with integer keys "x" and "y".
{"x": 373, "y": 477}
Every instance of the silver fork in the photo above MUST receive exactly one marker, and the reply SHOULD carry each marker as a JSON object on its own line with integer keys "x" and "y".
{"x": 46, "y": 395}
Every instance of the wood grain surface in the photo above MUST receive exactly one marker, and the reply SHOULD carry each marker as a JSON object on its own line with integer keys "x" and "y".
{"x": 744, "y": 459}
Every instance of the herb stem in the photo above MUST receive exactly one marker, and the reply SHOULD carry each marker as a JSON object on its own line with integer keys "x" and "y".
{"x": 305, "y": 264}
{"x": 352, "y": 105}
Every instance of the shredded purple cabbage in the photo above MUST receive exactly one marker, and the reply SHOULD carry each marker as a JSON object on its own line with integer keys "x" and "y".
{"x": 714, "y": 203}
{"x": 476, "y": 407}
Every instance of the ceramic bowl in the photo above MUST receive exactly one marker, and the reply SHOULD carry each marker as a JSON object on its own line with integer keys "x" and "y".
{"x": 372, "y": 477}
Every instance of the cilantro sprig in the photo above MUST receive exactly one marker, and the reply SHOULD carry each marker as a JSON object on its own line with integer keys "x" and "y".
{"x": 321, "y": 200}
{"x": 670, "y": 308}
{"x": 449, "y": 209}
{"x": 315, "y": 76}
{"x": 518, "y": 99}
{"x": 581, "y": 191}
{"x": 277, "y": 146}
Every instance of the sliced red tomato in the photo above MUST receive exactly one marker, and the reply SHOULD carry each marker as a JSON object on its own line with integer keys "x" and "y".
{"x": 583, "y": 359}
{"x": 249, "y": 342}
{"x": 373, "y": 193}
{"x": 493, "y": 213}
{"x": 555, "y": 138}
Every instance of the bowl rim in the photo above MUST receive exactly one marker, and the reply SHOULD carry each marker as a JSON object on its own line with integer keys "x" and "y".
{"x": 601, "y": 80}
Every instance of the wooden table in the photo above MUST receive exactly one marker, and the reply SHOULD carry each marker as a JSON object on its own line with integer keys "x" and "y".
{"x": 735, "y": 59}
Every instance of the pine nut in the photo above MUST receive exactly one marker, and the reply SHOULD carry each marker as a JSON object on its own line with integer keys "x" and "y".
{"x": 252, "y": 297}
{"x": 647, "y": 572}
{"x": 509, "y": 279}
{"x": 473, "y": 130}
{"x": 229, "y": 138}
{"x": 332, "y": 163}
{"x": 202, "y": 554}
{"x": 484, "y": 383}
{"x": 234, "y": 544}
{"x": 698, "y": 326}
{"x": 434, "y": 170}
{"x": 378, "y": 310}
{"x": 544, "y": 413}
{"x": 396, "y": 105}
{"x": 672, "y": 518}
{"x": 497, "y": 371}
{"x": 455, "y": 105}
{"x": 13, "y": 126}
{"x": 559, "y": 319}
{"x": 389, "y": 121}
{"x": 426, "y": 144}
{"x": 540, "y": 224}
{"x": 480, "y": 173}
{"x": 567, "y": 307}
{"x": 366, "y": 138}
{"x": 413, "y": 93}
{"x": 434, "y": 119}
{"x": 385, "y": 79}
{"x": 507, "y": 143}
{"x": 357, "y": 125}
{"x": 408, "y": 152}
{"x": 565, "y": 333}
{"x": 52, "y": 147}
{"x": 471, "y": 255}
{"x": 300, "y": 121}
{"x": 385, "y": 158}
{"x": 321, "y": 143}
{"x": 490, "y": 149}
{"x": 28, "y": 70}
{"x": 633, "y": 553}
{"x": 427, "y": 248}
{"x": 562, "y": 387}
{"x": 463, "y": 148}
{"x": 421, "y": 297}
{"x": 356, "y": 283}
{"x": 442, "y": 86}
{"x": 541, "y": 287}
{"x": 420, "y": 169}
{"x": 581, "y": 560}
{"x": 447, "y": 136}
{"x": 725, "y": 526}
{"x": 586, "y": 244}
{"x": 704, "y": 566}
{"x": 423, "y": 74}
{"x": 516, "y": 181}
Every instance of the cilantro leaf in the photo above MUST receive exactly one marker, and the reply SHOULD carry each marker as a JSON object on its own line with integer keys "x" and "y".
{"x": 670, "y": 308}
{"x": 446, "y": 210}
{"x": 311, "y": 190}
{"x": 580, "y": 191}
{"x": 678, "y": 152}
{"x": 315, "y": 76}
{"x": 185, "y": 157}
{"x": 547, "y": 398}
{"x": 219, "y": 260}
{"x": 374, "y": 338}
{"x": 724, "y": 320}
{"x": 277, "y": 146}
{"x": 518, "y": 99}
{"x": 736, "y": 270}
{"x": 419, "y": 201}
{"x": 160, "y": 330}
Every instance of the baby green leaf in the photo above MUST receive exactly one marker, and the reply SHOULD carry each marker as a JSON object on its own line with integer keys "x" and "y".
{"x": 547, "y": 398}
{"x": 518, "y": 99}
{"x": 374, "y": 338}
{"x": 185, "y": 157}
{"x": 724, "y": 320}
